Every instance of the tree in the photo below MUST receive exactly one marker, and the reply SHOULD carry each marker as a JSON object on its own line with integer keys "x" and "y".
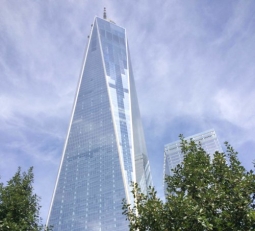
{"x": 203, "y": 194}
{"x": 19, "y": 206}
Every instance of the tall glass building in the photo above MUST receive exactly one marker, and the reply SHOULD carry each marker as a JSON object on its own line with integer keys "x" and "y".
{"x": 174, "y": 156}
{"x": 105, "y": 147}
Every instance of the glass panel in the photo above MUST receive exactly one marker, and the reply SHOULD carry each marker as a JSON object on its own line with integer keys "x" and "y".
{"x": 90, "y": 186}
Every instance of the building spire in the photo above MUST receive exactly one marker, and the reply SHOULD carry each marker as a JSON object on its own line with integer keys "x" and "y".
{"x": 105, "y": 17}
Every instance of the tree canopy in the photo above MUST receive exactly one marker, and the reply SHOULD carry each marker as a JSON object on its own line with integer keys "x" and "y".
{"x": 19, "y": 206}
{"x": 203, "y": 194}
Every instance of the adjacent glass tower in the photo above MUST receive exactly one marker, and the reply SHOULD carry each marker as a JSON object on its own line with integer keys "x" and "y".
{"x": 105, "y": 148}
{"x": 174, "y": 156}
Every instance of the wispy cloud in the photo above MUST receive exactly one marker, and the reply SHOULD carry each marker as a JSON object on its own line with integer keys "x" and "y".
{"x": 193, "y": 65}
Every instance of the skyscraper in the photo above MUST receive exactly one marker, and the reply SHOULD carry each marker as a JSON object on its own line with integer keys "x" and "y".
{"x": 105, "y": 147}
{"x": 174, "y": 156}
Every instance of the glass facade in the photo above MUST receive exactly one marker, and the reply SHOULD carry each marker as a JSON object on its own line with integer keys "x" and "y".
{"x": 105, "y": 148}
{"x": 174, "y": 156}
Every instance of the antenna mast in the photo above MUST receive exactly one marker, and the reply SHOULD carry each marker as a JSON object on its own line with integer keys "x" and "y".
{"x": 105, "y": 13}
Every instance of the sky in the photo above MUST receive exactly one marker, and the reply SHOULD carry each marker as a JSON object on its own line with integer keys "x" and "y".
{"x": 193, "y": 63}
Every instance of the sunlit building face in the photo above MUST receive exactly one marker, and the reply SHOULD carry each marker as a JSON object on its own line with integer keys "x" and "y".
{"x": 105, "y": 149}
{"x": 173, "y": 154}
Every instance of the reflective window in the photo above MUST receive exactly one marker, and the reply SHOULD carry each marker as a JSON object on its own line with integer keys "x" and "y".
{"x": 105, "y": 135}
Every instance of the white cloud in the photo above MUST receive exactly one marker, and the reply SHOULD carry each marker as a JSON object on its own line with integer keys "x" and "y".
{"x": 192, "y": 62}
{"x": 235, "y": 109}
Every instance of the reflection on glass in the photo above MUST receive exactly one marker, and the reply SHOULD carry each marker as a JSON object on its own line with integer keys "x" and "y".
{"x": 105, "y": 142}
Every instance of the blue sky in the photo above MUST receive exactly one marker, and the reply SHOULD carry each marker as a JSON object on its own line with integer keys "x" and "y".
{"x": 193, "y": 63}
